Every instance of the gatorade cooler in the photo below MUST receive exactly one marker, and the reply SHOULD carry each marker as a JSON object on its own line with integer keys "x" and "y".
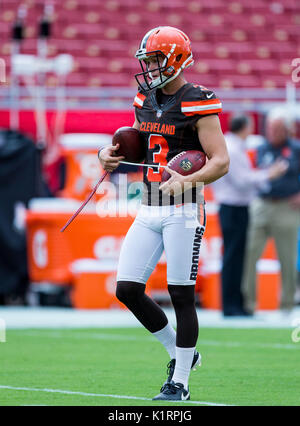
{"x": 83, "y": 168}
{"x": 211, "y": 260}
{"x": 94, "y": 284}
{"x": 50, "y": 252}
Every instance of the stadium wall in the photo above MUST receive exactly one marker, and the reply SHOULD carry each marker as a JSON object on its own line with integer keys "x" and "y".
{"x": 88, "y": 121}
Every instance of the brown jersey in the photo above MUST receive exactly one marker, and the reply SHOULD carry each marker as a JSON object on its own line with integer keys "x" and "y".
{"x": 170, "y": 128}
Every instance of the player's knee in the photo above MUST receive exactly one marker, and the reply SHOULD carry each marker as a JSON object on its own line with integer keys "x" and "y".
{"x": 182, "y": 296}
{"x": 129, "y": 291}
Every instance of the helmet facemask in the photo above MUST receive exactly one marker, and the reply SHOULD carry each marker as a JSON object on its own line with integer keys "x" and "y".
{"x": 166, "y": 73}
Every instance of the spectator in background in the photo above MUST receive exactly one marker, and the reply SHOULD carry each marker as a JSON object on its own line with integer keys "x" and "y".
{"x": 276, "y": 213}
{"x": 234, "y": 192}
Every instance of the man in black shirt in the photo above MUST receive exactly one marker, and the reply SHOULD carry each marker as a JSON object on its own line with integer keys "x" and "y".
{"x": 276, "y": 213}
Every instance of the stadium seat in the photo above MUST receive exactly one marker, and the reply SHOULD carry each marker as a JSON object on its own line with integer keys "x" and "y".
{"x": 111, "y": 79}
{"x": 194, "y": 7}
{"x": 221, "y": 52}
{"x": 263, "y": 52}
{"x": 92, "y": 17}
{"x": 243, "y": 80}
{"x": 279, "y": 50}
{"x": 225, "y": 66}
{"x": 5, "y": 50}
{"x": 76, "y": 79}
{"x": 8, "y": 15}
{"x": 214, "y": 6}
{"x": 239, "y": 35}
{"x": 226, "y": 83}
{"x": 109, "y": 48}
{"x": 203, "y": 79}
{"x": 263, "y": 65}
{"x": 90, "y": 64}
{"x": 71, "y": 4}
{"x": 274, "y": 81}
{"x": 112, "y": 5}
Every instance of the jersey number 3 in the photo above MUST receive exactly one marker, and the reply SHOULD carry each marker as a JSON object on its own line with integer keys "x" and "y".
{"x": 159, "y": 157}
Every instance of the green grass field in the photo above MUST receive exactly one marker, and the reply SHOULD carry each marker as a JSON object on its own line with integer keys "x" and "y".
{"x": 99, "y": 366}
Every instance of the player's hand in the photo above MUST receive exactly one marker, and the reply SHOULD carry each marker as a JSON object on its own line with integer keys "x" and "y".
{"x": 109, "y": 161}
{"x": 175, "y": 185}
{"x": 278, "y": 169}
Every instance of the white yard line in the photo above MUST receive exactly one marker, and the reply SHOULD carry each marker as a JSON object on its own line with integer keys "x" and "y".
{"x": 89, "y": 336}
{"x": 101, "y": 395}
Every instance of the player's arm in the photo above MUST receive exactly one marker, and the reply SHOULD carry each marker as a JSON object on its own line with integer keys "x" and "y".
{"x": 213, "y": 143}
{"x": 109, "y": 161}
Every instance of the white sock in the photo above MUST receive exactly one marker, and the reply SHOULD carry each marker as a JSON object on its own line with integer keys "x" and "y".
{"x": 184, "y": 359}
{"x": 167, "y": 337}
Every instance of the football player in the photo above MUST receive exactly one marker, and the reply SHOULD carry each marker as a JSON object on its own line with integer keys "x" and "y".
{"x": 172, "y": 116}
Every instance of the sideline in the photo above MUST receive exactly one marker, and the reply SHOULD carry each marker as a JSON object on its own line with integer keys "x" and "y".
{"x": 36, "y": 317}
{"x": 101, "y": 395}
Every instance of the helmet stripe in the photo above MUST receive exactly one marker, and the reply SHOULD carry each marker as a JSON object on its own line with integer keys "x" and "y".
{"x": 145, "y": 39}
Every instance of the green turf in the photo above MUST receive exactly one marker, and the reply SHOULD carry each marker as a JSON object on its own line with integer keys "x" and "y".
{"x": 240, "y": 367}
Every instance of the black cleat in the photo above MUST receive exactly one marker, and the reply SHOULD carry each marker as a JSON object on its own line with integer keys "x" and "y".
{"x": 171, "y": 367}
{"x": 196, "y": 361}
{"x": 172, "y": 392}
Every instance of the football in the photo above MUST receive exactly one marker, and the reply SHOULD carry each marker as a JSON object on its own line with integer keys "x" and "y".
{"x": 185, "y": 163}
{"x": 131, "y": 144}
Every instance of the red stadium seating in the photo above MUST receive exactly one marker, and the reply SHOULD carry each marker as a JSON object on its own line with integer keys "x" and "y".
{"x": 235, "y": 41}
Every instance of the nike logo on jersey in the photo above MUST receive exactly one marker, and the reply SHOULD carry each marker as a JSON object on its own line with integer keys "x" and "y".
{"x": 210, "y": 96}
{"x": 163, "y": 129}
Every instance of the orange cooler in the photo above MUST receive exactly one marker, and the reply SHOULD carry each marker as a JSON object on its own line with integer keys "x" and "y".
{"x": 51, "y": 252}
{"x": 83, "y": 168}
{"x": 94, "y": 284}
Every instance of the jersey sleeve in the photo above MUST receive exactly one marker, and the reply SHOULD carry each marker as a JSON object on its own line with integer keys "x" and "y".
{"x": 199, "y": 102}
{"x": 139, "y": 99}
{"x": 138, "y": 103}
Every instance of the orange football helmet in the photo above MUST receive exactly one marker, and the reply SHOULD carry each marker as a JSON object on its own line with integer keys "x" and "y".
{"x": 173, "y": 46}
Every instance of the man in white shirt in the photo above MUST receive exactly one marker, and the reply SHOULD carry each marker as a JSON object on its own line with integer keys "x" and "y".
{"x": 234, "y": 192}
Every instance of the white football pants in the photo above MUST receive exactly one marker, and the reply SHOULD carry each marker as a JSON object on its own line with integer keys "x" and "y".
{"x": 177, "y": 229}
